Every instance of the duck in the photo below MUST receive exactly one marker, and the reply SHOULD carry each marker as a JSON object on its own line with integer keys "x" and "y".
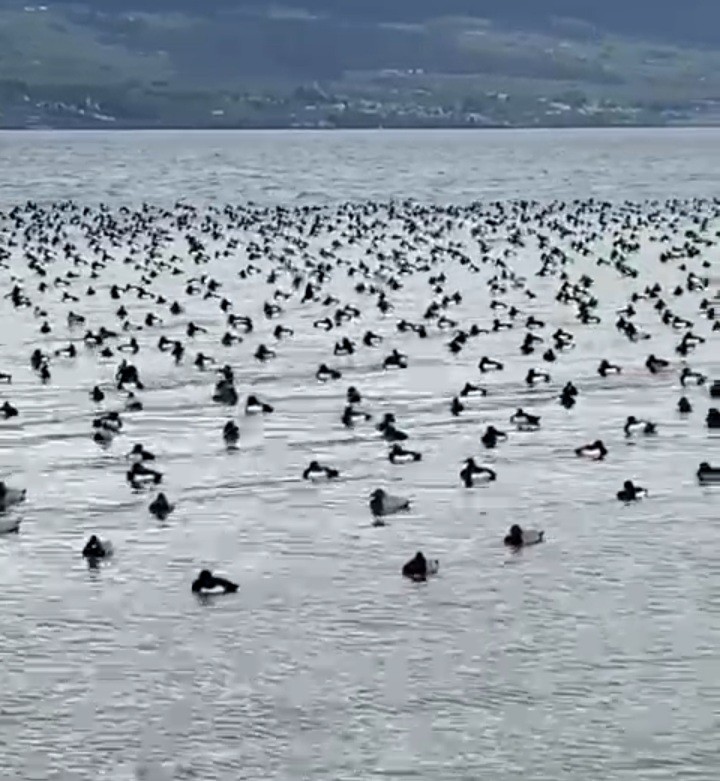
{"x": 254, "y": 406}
{"x": 471, "y": 471}
{"x": 160, "y": 507}
{"x": 399, "y": 455}
{"x": 139, "y": 454}
{"x": 97, "y": 549}
{"x": 231, "y": 435}
{"x": 684, "y": 406}
{"x": 708, "y": 475}
{"x": 688, "y": 374}
{"x": 382, "y": 503}
{"x": 8, "y": 410}
{"x": 350, "y": 415}
{"x": 595, "y": 451}
{"x": 395, "y": 360}
{"x": 634, "y": 426}
{"x": 631, "y": 492}
{"x": 456, "y": 407}
{"x": 225, "y": 393}
{"x": 353, "y": 395}
{"x": 655, "y": 365}
{"x": 489, "y": 365}
{"x": 535, "y": 375}
{"x": 139, "y": 475}
{"x": 712, "y": 420}
{"x": 97, "y": 395}
{"x": 518, "y": 537}
{"x": 525, "y": 421}
{"x": 317, "y": 472}
{"x": 606, "y": 368}
{"x": 491, "y": 437}
{"x": 419, "y": 569}
{"x": 325, "y": 373}
{"x": 206, "y": 583}
{"x": 470, "y": 390}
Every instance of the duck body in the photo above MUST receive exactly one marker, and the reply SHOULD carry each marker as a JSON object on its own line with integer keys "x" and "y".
{"x": 419, "y": 569}
{"x": 317, "y": 473}
{"x": 399, "y": 455}
{"x": 471, "y": 474}
{"x": 97, "y": 549}
{"x": 160, "y": 507}
{"x": 207, "y": 584}
{"x": 631, "y": 492}
{"x": 518, "y": 537}
{"x": 383, "y": 503}
{"x": 708, "y": 475}
{"x": 595, "y": 451}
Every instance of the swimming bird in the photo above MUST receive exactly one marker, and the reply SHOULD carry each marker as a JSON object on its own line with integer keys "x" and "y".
{"x": 471, "y": 472}
{"x": 325, "y": 373}
{"x": 231, "y": 435}
{"x": 139, "y": 475}
{"x": 160, "y": 507}
{"x": 712, "y": 420}
{"x": 419, "y": 569}
{"x": 708, "y": 475}
{"x": 8, "y": 410}
{"x": 595, "y": 451}
{"x": 317, "y": 472}
{"x": 518, "y": 537}
{"x": 383, "y": 504}
{"x": 524, "y": 421}
{"x": 491, "y": 437}
{"x": 634, "y": 426}
{"x": 206, "y": 583}
{"x": 138, "y": 454}
{"x": 631, "y": 492}
{"x": 399, "y": 455}
{"x": 254, "y": 406}
{"x": 97, "y": 549}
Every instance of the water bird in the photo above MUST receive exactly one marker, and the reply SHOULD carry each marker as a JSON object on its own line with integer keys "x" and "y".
{"x": 634, "y": 426}
{"x": 254, "y": 406}
{"x": 419, "y": 569}
{"x": 206, "y": 583}
{"x": 399, "y": 455}
{"x": 708, "y": 475}
{"x": 518, "y": 537}
{"x": 160, "y": 507}
{"x": 231, "y": 435}
{"x": 316, "y": 472}
{"x": 382, "y": 503}
{"x": 472, "y": 473}
{"x": 631, "y": 492}
{"x": 96, "y": 549}
{"x": 595, "y": 450}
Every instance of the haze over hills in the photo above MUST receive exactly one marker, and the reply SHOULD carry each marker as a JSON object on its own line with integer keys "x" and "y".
{"x": 238, "y": 63}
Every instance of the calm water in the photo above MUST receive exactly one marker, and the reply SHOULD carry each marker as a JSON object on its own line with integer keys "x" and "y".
{"x": 591, "y": 657}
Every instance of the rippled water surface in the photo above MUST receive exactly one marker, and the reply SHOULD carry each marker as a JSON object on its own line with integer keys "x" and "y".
{"x": 593, "y": 656}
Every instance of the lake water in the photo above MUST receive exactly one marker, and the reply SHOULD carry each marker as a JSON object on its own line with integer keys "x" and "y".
{"x": 591, "y": 657}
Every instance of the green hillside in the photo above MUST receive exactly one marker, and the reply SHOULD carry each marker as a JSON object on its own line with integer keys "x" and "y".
{"x": 71, "y": 66}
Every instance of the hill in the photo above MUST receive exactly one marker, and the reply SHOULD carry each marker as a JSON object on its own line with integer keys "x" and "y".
{"x": 233, "y": 63}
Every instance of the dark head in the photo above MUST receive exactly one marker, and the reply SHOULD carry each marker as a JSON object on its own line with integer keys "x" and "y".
{"x": 205, "y": 578}
{"x": 628, "y": 485}
{"x": 514, "y": 536}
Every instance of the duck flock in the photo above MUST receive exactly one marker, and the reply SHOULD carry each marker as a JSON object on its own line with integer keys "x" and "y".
{"x": 405, "y": 326}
